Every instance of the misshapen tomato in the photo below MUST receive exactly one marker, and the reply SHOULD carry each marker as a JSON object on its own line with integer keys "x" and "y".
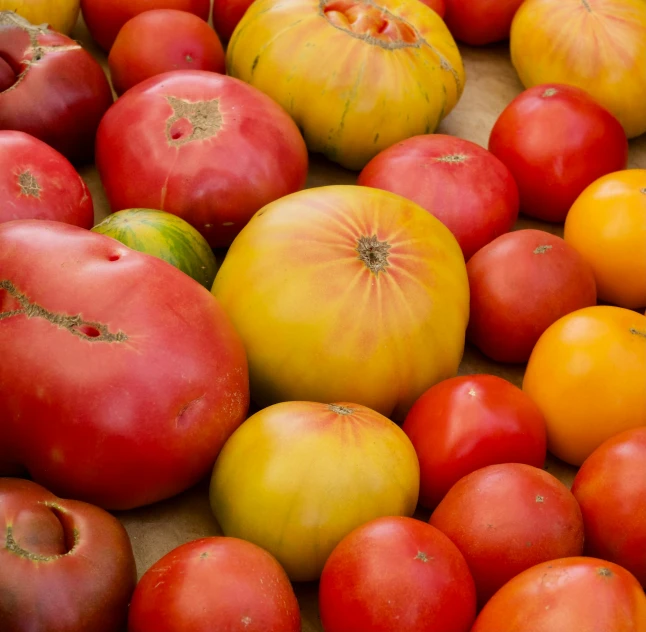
{"x": 479, "y": 22}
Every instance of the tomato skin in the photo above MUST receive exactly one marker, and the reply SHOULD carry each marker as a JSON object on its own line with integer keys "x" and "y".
{"x": 159, "y": 41}
{"x": 576, "y": 593}
{"x": 479, "y": 22}
{"x": 465, "y": 423}
{"x": 504, "y": 324}
{"x": 467, "y": 188}
{"x": 215, "y": 583}
{"x": 610, "y": 488}
{"x": 507, "y": 518}
{"x": 586, "y": 399}
{"x": 439, "y": 6}
{"x": 396, "y": 574}
{"x": 556, "y": 140}
{"x": 226, "y": 15}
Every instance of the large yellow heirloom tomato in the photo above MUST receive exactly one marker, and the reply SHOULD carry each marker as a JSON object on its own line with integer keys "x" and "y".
{"x": 587, "y": 374}
{"x": 346, "y": 293}
{"x": 61, "y": 15}
{"x": 597, "y": 45}
{"x": 297, "y": 477}
{"x": 357, "y": 76}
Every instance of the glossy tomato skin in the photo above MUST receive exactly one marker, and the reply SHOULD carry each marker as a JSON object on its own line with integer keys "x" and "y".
{"x": 177, "y": 157}
{"x": 507, "y": 518}
{"x": 467, "y": 188}
{"x": 556, "y": 140}
{"x": 36, "y": 182}
{"x": 577, "y": 593}
{"x": 215, "y": 584}
{"x": 503, "y": 324}
{"x": 104, "y": 18}
{"x": 159, "y": 41}
{"x": 466, "y": 423}
{"x": 479, "y": 22}
{"x": 64, "y": 565}
{"x": 396, "y": 574}
{"x": 610, "y": 488}
{"x": 585, "y": 398}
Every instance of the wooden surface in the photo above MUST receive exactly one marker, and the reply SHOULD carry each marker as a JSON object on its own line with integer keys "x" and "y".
{"x": 491, "y": 85}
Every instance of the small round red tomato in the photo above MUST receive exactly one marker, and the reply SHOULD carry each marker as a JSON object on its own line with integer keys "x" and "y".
{"x": 508, "y": 518}
{"x": 578, "y": 594}
{"x": 158, "y": 41}
{"x": 611, "y": 490}
{"x": 215, "y": 584}
{"x": 466, "y": 187}
{"x": 556, "y": 140}
{"x": 465, "y": 423}
{"x": 478, "y": 22}
{"x": 521, "y": 283}
{"x": 396, "y": 574}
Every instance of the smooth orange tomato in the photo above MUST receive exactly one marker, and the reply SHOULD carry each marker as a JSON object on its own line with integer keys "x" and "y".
{"x": 607, "y": 225}
{"x": 587, "y": 374}
{"x": 61, "y": 15}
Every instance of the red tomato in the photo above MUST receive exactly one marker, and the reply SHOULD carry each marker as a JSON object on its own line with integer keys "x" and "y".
{"x": 467, "y": 188}
{"x": 164, "y": 163}
{"x": 556, "y": 141}
{"x": 439, "y": 6}
{"x": 577, "y": 594}
{"x": 465, "y": 423}
{"x": 227, "y": 14}
{"x": 478, "y": 22}
{"x": 508, "y": 518}
{"x": 611, "y": 490}
{"x": 158, "y": 41}
{"x": 396, "y": 574}
{"x": 222, "y": 584}
{"x": 36, "y": 182}
{"x": 104, "y": 18}
{"x": 521, "y": 283}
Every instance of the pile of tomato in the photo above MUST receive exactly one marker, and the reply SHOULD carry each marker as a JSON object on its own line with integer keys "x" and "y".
{"x": 301, "y": 347}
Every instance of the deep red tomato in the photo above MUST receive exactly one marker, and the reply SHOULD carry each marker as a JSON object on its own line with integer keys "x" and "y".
{"x": 611, "y": 490}
{"x": 556, "y": 140}
{"x": 396, "y": 574}
{"x": 521, "y": 283}
{"x": 508, "y": 518}
{"x": 227, "y": 14}
{"x": 478, "y": 22}
{"x": 158, "y": 41}
{"x": 465, "y": 423}
{"x": 222, "y": 584}
{"x": 466, "y": 187}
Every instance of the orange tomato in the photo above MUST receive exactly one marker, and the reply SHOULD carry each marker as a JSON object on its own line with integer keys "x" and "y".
{"x": 587, "y": 374}
{"x": 607, "y": 225}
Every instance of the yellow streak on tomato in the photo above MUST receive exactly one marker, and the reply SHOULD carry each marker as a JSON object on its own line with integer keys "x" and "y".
{"x": 61, "y": 15}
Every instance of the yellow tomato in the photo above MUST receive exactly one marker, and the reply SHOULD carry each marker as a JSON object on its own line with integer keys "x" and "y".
{"x": 61, "y": 15}
{"x": 607, "y": 225}
{"x": 597, "y": 45}
{"x": 357, "y": 76}
{"x": 587, "y": 374}
{"x": 297, "y": 477}
{"x": 346, "y": 293}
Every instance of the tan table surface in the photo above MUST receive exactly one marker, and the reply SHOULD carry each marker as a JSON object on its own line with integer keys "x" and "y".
{"x": 491, "y": 84}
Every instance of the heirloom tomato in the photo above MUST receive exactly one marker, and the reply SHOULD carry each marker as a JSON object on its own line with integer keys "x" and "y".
{"x": 59, "y": 15}
{"x": 478, "y": 22}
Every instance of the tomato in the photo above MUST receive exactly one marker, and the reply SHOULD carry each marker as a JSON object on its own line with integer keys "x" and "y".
{"x": 582, "y": 594}
{"x": 367, "y": 299}
{"x": 380, "y": 72}
{"x": 466, "y": 423}
{"x": 121, "y": 378}
{"x": 439, "y": 6}
{"x": 104, "y": 18}
{"x": 586, "y": 374}
{"x": 297, "y": 477}
{"x": 556, "y": 140}
{"x": 478, "y": 22}
{"x": 61, "y": 15}
{"x": 607, "y": 226}
{"x": 607, "y": 58}
{"x": 36, "y": 182}
{"x": 215, "y": 584}
{"x": 227, "y": 14}
{"x": 53, "y": 549}
{"x": 506, "y": 321}
{"x": 508, "y": 518}
{"x": 171, "y": 117}
{"x": 396, "y": 574}
{"x": 468, "y": 189}
{"x": 610, "y": 488}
